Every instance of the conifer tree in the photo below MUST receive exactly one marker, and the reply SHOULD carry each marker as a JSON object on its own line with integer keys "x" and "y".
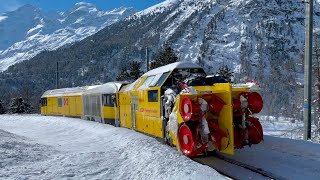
{"x": 123, "y": 75}
{"x": 2, "y": 108}
{"x": 165, "y": 57}
{"x": 131, "y": 74}
{"x": 17, "y": 105}
{"x": 225, "y": 73}
{"x": 135, "y": 70}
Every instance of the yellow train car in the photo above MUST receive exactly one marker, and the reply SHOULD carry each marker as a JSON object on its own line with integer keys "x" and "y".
{"x": 100, "y": 103}
{"x": 63, "y": 102}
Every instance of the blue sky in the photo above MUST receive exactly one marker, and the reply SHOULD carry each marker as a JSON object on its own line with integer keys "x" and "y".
{"x": 61, "y": 5}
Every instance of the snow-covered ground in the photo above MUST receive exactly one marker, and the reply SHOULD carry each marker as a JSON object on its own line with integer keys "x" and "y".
{"x": 42, "y": 147}
{"x": 287, "y": 158}
{"x": 282, "y": 127}
{"x": 286, "y": 128}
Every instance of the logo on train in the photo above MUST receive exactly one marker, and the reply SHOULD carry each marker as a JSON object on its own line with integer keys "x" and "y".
{"x": 65, "y": 101}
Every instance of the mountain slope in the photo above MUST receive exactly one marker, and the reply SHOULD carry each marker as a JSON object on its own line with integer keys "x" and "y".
{"x": 28, "y": 31}
{"x": 258, "y": 39}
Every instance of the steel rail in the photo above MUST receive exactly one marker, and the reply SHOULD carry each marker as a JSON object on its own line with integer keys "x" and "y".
{"x": 205, "y": 160}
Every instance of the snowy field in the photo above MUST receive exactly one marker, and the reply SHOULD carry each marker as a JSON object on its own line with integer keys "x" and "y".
{"x": 282, "y": 127}
{"x": 43, "y": 147}
{"x": 286, "y": 128}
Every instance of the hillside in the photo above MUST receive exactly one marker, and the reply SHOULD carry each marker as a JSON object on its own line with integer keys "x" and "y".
{"x": 258, "y": 39}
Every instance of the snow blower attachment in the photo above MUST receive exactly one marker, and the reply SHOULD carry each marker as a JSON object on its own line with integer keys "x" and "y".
{"x": 200, "y": 113}
{"x": 203, "y": 121}
{"x": 247, "y": 129}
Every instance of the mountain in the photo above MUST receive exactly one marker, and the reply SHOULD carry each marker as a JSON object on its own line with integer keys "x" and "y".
{"x": 28, "y": 31}
{"x": 258, "y": 39}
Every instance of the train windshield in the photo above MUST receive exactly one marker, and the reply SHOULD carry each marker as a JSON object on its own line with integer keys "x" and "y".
{"x": 179, "y": 75}
{"x": 182, "y": 74}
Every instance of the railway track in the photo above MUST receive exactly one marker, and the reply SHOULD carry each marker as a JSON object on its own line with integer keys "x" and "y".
{"x": 235, "y": 169}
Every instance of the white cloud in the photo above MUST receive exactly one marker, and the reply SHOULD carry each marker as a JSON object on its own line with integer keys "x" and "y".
{"x": 9, "y": 5}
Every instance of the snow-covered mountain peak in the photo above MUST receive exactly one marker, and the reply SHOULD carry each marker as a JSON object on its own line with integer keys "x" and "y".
{"x": 83, "y": 7}
{"x": 158, "y": 8}
{"x": 27, "y": 31}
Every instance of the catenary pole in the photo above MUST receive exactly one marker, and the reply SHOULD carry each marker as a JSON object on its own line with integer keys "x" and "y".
{"x": 307, "y": 69}
{"x": 57, "y": 75}
{"x": 147, "y": 59}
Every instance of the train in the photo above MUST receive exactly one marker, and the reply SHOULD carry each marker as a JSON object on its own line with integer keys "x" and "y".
{"x": 177, "y": 103}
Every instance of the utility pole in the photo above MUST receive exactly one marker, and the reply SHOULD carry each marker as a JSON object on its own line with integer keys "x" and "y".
{"x": 57, "y": 75}
{"x": 147, "y": 59}
{"x": 308, "y": 69}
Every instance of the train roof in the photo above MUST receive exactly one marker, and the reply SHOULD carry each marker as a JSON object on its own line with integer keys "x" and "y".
{"x": 108, "y": 88}
{"x": 172, "y": 66}
{"x": 129, "y": 87}
{"x": 66, "y": 91}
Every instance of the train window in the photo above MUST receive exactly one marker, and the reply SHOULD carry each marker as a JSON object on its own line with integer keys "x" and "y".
{"x": 43, "y": 102}
{"x": 162, "y": 78}
{"x": 147, "y": 82}
{"x": 182, "y": 74}
{"x": 155, "y": 80}
{"x": 109, "y": 100}
{"x": 153, "y": 96}
{"x": 60, "y": 104}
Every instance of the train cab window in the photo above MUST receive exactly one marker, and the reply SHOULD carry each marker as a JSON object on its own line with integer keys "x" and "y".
{"x": 147, "y": 82}
{"x": 161, "y": 79}
{"x": 109, "y": 100}
{"x": 182, "y": 74}
{"x": 153, "y": 96}
{"x": 60, "y": 104}
{"x": 43, "y": 102}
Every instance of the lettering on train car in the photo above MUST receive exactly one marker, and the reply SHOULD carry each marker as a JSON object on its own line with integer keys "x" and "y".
{"x": 65, "y": 101}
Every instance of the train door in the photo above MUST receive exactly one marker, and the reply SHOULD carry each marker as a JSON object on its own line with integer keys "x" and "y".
{"x": 134, "y": 109}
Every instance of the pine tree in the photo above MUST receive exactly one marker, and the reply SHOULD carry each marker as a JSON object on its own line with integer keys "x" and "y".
{"x": 131, "y": 74}
{"x": 225, "y": 73}
{"x": 165, "y": 57}
{"x": 2, "y": 109}
{"x": 13, "y": 106}
{"x": 17, "y": 105}
{"x": 123, "y": 75}
{"x": 135, "y": 70}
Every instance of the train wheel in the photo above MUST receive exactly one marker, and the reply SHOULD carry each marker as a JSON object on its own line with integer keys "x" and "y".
{"x": 186, "y": 141}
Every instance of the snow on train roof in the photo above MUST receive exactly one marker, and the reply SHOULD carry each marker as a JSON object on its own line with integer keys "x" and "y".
{"x": 172, "y": 66}
{"x": 65, "y": 91}
{"x": 110, "y": 87}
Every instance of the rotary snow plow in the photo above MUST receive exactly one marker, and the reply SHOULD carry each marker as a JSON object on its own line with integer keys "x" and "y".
{"x": 218, "y": 117}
